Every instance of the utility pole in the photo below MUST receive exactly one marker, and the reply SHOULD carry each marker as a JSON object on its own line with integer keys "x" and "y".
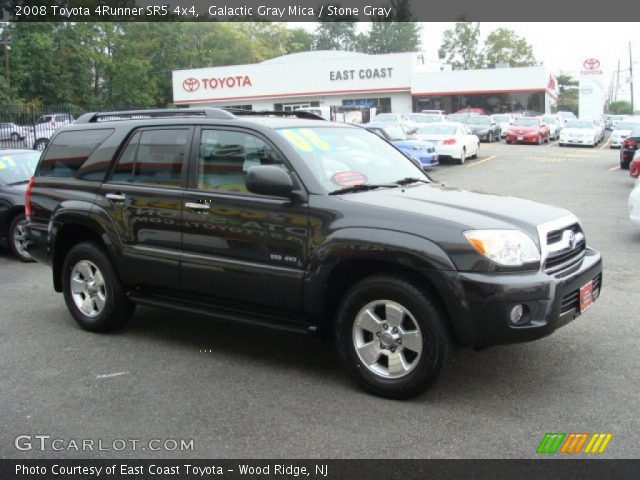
{"x": 631, "y": 78}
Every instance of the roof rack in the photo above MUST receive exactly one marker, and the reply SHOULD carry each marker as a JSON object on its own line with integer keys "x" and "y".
{"x": 272, "y": 113}
{"x": 94, "y": 117}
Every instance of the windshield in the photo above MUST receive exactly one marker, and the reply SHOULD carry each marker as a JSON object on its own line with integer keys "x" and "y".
{"x": 477, "y": 120}
{"x": 501, "y": 118}
{"x": 578, "y": 124}
{"x": 438, "y": 129}
{"x": 387, "y": 117}
{"x": 18, "y": 167}
{"x": 424, "y": 118}
{"x": 526, "y": 122}
{"x": 342, "y": 157}
{"x": 550, "y": 120}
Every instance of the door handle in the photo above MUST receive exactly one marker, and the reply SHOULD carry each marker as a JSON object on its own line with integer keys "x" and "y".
{"x": 197, "y": 206}
{"x": 116, "y": 197}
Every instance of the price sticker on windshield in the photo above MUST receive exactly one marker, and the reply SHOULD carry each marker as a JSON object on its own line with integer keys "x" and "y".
{"x": 348, "y": 178}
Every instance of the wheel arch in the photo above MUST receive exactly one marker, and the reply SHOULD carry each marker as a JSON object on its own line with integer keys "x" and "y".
{"x": 348, "y": 258}
{"x": 69, "y": 230}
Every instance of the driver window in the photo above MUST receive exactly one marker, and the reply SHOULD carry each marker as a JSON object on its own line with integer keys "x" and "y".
{"x": 225, "y": 157}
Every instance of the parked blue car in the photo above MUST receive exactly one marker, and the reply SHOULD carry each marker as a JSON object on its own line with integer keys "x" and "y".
{"x": 419, "y": 150}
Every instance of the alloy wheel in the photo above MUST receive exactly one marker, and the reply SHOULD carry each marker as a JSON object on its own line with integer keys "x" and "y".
{"x": 88, "y": 288}
{"x": 387, "y": 339}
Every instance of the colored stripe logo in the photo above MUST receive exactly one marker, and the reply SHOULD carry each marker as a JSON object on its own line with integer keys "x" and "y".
{"x": 574, "y": 443}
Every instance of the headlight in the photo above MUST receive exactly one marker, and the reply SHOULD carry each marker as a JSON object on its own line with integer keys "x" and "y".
{"x": 511, "y": 248}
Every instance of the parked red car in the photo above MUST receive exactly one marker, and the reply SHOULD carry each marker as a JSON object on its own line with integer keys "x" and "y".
{"x": 634, "y": 166}
{"x": 528, "y": 130}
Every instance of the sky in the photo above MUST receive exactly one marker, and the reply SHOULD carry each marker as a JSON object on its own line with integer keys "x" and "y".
{"x": 561, "y": 46}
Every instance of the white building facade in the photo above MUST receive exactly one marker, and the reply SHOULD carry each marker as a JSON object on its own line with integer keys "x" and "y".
{"x": 398, "y": 83}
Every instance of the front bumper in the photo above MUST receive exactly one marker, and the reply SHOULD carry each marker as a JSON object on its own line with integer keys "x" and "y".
{"x": 615, "y": 142}
{"x": 528, "y": 138}
{"x": 490, "y": 297}
{"x": 577, "y": 141}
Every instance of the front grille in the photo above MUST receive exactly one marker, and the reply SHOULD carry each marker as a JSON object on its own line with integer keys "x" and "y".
{"x": 564, "y": 258}
{"x": 571, "y": 301}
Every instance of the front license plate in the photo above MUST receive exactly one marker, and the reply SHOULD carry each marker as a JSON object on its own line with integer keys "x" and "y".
{"x": 586, "y": 296}
{"x": 520, "y": 138}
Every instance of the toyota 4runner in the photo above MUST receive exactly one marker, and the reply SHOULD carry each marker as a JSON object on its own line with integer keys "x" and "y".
{"x": 292, "y": 222}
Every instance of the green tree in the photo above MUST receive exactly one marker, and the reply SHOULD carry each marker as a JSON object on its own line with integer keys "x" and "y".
{"x": 395, "y": 33}
{"x": 335, "y": 32}
{"x": 504, "y": 46}
{"x": 459, "y": 46}
{"x": 620, "y": 107}
{"x": 568, "y": 96}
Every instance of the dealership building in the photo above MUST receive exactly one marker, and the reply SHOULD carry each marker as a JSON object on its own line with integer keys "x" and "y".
{"x": 397, "y": 82}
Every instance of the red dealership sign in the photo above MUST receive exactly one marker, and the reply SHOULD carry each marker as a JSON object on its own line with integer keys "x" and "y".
{"x": 192, "y": 84}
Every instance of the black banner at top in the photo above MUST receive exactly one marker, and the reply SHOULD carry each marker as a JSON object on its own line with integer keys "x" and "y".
{"x": 315, "y": 10}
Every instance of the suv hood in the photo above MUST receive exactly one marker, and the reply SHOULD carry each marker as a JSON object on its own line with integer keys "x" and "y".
{"x": 457, "y": 209}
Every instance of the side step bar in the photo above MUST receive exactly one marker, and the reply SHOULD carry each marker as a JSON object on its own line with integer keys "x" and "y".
{"x": 220, "y": 312}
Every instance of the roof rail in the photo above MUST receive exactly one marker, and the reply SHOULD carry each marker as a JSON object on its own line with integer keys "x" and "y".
{"x": 94, "y": 117}
{"x": 272, "y": 113}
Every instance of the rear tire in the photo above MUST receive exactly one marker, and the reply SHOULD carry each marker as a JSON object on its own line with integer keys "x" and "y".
{"x": 92, "y": 291}
{"x": 373, "y": 354}
{"x": 17, "y": 242}
{"x": 463, "y": 157}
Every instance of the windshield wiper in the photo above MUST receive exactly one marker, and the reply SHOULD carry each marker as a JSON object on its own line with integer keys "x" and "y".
{"x": 360, "y": 188}
{"x": 18, "y": 183}
{"x": 408, "y": 180}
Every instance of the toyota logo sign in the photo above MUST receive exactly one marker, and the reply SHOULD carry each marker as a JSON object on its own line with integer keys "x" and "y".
{"x": 591, "y": 64}
{"x": 191, "y": 84}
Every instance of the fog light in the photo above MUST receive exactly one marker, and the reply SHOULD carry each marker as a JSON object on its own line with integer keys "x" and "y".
{"x": 516, "y": 314}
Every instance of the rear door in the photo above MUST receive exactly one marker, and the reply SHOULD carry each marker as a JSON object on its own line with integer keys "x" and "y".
{"x": 144, "y": 199}
{"x": 239, "y": 246}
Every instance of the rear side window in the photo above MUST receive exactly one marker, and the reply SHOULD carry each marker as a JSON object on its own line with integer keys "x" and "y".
{"x": 68, "y": 151}
{"x": 153, "y": 157}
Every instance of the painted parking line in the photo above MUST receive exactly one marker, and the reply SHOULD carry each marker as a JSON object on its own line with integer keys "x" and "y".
{"x": 606, "y": 144}
{"x": 479, "y": 162}
{"x": 553, "y": 143}
{"x": 614, "y": 168}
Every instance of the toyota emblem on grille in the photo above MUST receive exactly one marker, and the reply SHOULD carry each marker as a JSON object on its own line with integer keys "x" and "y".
{"x": 573, "y": 241}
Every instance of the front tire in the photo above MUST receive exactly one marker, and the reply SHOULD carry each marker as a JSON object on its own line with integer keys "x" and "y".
{"x": 92, "y": 291}
{"x": 17, "y": 241}
{"x": 410, "y": 354}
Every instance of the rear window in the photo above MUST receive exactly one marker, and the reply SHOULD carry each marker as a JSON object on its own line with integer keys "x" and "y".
{"x": 68, "y": 151}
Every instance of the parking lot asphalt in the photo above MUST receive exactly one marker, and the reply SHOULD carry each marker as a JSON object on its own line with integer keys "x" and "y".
{"x": 248, "y": 392}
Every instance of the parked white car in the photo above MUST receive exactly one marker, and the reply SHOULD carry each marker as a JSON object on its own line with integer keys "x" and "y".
{"x": 555, "y": 125}
{"x": 634, "y": 203}
{"x": 579, "y": 132}
{"x": 620, "y": 132}
{"x": 504, "y": 121}
{"x": 452, "y": 140}
{"x": 38, "y": 138}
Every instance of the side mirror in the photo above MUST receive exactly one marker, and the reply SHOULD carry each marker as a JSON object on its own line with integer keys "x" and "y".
{"x": 269, "y": 180}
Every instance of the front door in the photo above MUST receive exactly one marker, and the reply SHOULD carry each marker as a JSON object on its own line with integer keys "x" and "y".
{"x": 239, "y": 246}
{"x": 144, "y": 199}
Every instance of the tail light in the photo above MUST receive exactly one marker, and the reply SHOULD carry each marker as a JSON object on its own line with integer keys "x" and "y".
{"x": 27, "y": 198}
{"x": 449, "y": 141}
{"x": 629, "y": 144}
